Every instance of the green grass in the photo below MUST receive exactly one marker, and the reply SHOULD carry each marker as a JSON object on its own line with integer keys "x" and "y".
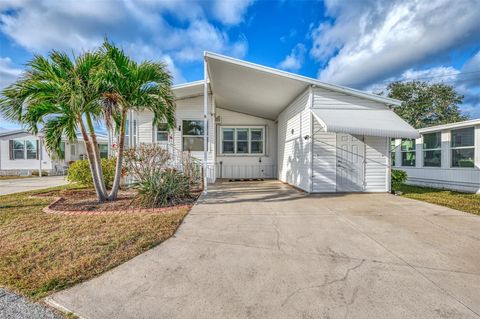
{"x": 7, "y": 177}
{"x": 42, "y": 253}
{"x": 469, "y": 203}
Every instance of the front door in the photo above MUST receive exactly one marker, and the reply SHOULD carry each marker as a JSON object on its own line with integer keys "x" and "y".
{"x": 350, "y": 163}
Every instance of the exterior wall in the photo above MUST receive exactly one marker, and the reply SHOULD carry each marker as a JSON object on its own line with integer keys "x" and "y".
{"x": 246, "y": 166}
{"x": 454, "y": 178}
{"x": 21, "y": 166}
{"x": 294, "y": 151}
{"x": 329, "y": 99}
{"x": 187, "y": 109}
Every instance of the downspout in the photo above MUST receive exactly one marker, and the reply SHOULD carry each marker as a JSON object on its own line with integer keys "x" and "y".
{"x": 205, "y": 122}
{"x": 311, "y": 139}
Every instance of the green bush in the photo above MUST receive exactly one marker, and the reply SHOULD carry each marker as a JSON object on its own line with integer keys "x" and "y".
{"x": 79, "y": 172}
{"x": 162, "y": 188}
{"x": 399, "y": 177}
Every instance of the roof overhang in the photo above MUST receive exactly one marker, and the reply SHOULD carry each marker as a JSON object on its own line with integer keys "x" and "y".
{"x": 373, "y": 122}
{"x": 450, "y": 126}
{"x": 262, "y": 91}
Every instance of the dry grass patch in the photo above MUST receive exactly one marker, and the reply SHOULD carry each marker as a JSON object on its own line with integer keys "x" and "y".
{"x": 42, "y": 253}
{"x": 469, "y": 203}
{"x": 7, "y": 177}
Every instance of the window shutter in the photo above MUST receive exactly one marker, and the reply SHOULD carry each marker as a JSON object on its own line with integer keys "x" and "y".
{"x": 38, "y": 151}
{"x": 10, "y": 148}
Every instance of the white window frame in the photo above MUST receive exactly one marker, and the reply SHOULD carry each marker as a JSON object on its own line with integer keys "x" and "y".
{"x": 25, "y": 149}
{"x": 424, "y": 150}
{"x": 414, "y": 151}
{"x": 249, "y": 127}
{"x": 73, "y": 149}
{"x": 157, "y": 130}
{"x": 452, "y": 148}
{"x": 199, "y": 136}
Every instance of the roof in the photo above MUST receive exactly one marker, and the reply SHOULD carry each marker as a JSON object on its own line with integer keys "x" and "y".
{"x": 371, "y": 122}
{"x": 190, "y": 89}
{"x": 101, "y": 137}
{"x": 269, "y": 90}
{"x": 450, "y": 126}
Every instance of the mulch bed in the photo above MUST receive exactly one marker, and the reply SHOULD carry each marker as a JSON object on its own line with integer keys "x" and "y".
{"x": 84, "y": 201}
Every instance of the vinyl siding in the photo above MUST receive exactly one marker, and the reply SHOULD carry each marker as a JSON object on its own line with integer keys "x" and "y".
{"x": 324, "y": 160}
{"x": 246, "y": 166}
{"x": 329, "y": 99}
{"x": 376, "y": 165}
{"x": 294, "y": 152}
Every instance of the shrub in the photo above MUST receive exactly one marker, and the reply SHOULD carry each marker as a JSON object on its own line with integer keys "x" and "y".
{"x": 398, "y": 178}
{"x": 145, "y": 160}
{"x": 79, "y": 172}
{"x": 35, "y": 173}
{"x": 162, "y": 188}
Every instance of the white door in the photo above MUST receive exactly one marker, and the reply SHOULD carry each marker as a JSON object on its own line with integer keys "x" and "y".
{"x": 350, "y": 163}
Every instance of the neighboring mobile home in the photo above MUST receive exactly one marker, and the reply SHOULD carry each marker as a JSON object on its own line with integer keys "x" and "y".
{"x": 445, "y": 156}
{"x": 249, "y": 121}
{"x": 22, "y": 153}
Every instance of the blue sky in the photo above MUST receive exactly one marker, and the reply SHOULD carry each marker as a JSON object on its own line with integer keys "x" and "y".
{"x": 363, "y": 44}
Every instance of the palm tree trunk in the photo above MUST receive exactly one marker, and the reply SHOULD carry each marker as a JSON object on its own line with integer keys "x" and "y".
{"x": 96, "y": 154}
{"x": 101, "y": 195}
{"x": 118, "y": 168}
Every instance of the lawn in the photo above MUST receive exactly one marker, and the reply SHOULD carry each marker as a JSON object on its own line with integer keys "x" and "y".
{"x": 42, "y": 253}
{"x": 6, "y": 177}
{"x": 469, "y": 203}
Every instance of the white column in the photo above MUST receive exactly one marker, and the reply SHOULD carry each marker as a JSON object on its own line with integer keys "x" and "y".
{"x": 477, "y": 146}
{"x": 445, "y": 149}
{"x": 205, "y": 122}
{"x": 398, "y": 152}
{"x": 419, "y": 152}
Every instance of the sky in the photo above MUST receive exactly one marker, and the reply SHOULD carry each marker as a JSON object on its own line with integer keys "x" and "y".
{"x": 361, "y": 44}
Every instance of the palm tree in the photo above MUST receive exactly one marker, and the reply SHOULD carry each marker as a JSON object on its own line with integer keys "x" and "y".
{"x": 59, "y": 94}
{"x": 128, "y": 85}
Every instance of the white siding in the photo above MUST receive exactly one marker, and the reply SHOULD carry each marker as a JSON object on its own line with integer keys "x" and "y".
{"x": 294, "y": 151}
{"x": 329, "y": 99}
{"x": 187, "y": 109}
{"x": 377, "y": 164}
{"x": 247, "y": 166}
{"x": 324, "y": 160}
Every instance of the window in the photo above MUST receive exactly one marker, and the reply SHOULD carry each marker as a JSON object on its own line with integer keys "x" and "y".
{"x": 103, "y": 150}
{"x": 23, "y": 149}
{"x": 463, "y": 141}
{"x": 432, "y": 149}
{"x": 192, "y": 135}
{"x": 392, "y": 151}
{"x": 242, "y": 140}
{"x": 408, "y": 152}
{"x": 73, "y": 150}
{"x": 162, "y": 132}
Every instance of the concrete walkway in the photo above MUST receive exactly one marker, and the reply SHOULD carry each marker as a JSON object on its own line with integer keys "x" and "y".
{"x": 264, "y": 250}
{"x": 10, "y": 186}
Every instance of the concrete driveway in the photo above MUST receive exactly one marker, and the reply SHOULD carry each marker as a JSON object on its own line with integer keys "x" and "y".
{"x": 264, "y": 250}
{"x": 10, "y": 186}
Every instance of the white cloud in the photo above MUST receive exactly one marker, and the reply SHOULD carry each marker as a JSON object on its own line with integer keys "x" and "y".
{"x": 141, "y": 26}
{"x": 231, "y": 12}
{"x": 8, "y": 72}
{"x": 294, "y": 61}
{"x": 373, "y": 40}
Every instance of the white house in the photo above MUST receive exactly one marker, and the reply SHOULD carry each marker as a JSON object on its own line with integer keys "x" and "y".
{"x": 445, "y": 156}
{"x": 249, "y": 121}
{"x": 22, "y": 153}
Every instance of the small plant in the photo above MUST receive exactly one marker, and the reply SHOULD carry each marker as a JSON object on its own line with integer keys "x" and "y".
{"x": 145, "y": 160}
{"x": 162, "y": 188}
{"x": 79, "y": 172}
{"x": 398, "y": 178}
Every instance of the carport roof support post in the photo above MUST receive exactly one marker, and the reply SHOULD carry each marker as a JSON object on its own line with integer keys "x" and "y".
{"x": 205, "y": 122}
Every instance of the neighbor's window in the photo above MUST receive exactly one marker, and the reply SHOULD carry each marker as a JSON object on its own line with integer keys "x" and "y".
{"x": 392, "y": 151}
{"x": 432, "y": 149}
{"x": 463, "y": 150}
{"x": 408, "y": 152}
{"x": 103, "y": 150}
{"x": 23, "y": 149}
{"x": 162, "y": 132}
{"x": 242, "y": 140}
{"x": 192, "y": 135}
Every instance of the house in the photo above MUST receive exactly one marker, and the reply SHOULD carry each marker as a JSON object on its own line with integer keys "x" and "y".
{"x": 445, "y": 156}
{"x": 245, "y": 120}
{"x": 22, "y": 153}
